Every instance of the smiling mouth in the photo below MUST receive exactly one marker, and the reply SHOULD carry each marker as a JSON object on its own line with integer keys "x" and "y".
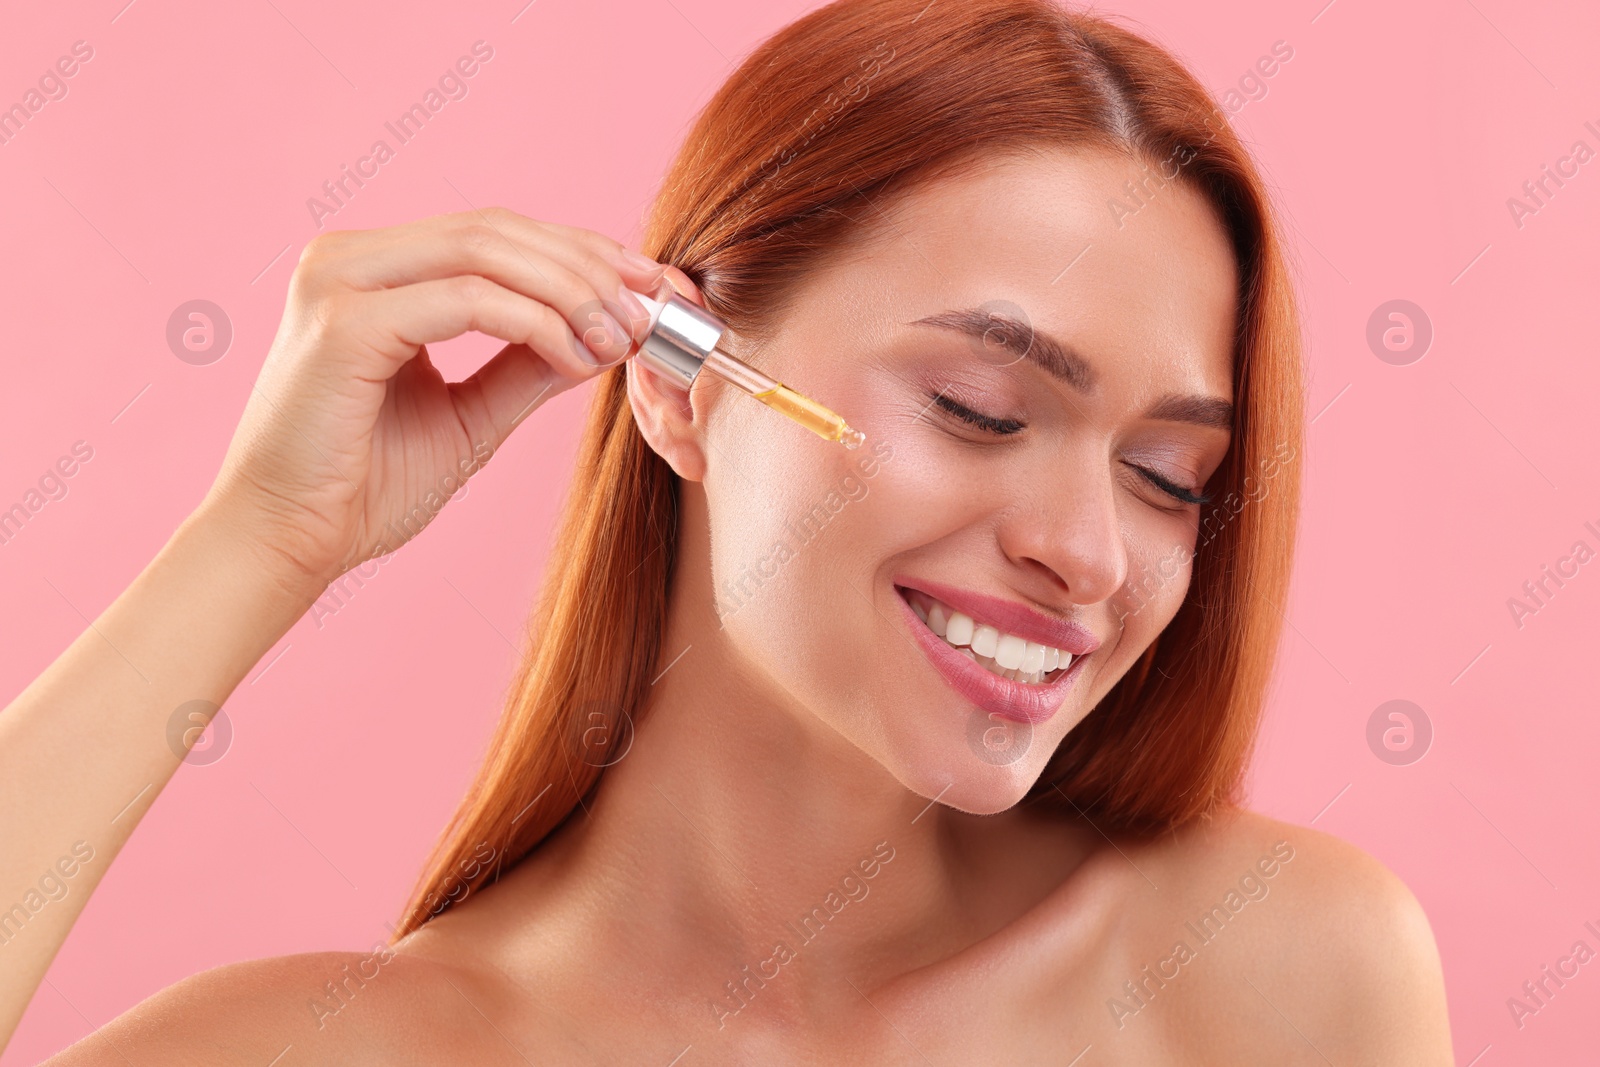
{"x": 996, "y": 651}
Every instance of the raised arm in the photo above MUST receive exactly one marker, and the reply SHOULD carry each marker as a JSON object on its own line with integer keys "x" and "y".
{"x": 347, "y": 432}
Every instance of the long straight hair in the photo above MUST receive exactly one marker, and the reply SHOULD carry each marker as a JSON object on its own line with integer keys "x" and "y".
{"x": 796, "y": 155}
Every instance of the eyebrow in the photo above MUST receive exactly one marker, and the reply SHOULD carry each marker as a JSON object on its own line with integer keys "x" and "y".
{"x": 1062, "y": 361}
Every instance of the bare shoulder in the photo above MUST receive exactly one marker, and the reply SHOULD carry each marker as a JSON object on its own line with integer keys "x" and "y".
{"x": 379, "y": 1006}
{"x": 1319, "y": 941}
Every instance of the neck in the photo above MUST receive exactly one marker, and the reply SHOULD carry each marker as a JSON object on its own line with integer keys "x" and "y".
{"x": 735, "y": 816}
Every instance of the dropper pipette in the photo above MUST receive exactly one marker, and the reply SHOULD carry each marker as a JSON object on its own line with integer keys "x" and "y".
{"x": 683, "y": 339}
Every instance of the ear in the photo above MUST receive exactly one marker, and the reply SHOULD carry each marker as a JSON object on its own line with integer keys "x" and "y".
{"x": 666, "y": 411}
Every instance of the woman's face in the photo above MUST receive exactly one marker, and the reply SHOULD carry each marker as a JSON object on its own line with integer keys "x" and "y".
{"x": 1029, "y": 475}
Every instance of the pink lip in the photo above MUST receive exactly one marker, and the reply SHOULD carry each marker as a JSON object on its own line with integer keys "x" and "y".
{"x": 1008, "y": 616}
{"x": 1017, "y": 701}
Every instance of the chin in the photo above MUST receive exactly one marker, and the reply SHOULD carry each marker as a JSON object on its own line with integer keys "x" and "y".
{"x": 977, "y": 783}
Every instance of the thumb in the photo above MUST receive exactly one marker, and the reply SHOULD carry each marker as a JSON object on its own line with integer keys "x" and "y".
{"x": 683, "y": 285}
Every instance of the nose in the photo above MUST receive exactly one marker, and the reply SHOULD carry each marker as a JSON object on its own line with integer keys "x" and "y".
{"x": 1068, "y": 527}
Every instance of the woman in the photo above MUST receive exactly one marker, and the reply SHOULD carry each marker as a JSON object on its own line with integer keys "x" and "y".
{"x": 928, "y": 752}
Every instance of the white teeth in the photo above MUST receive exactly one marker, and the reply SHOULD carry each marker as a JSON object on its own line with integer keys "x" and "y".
{"x": 1009, "y": 650}
{"x": 1004, "y": 654}
{"x": 984, "y": 639}
{"x": 1005, "y": 672}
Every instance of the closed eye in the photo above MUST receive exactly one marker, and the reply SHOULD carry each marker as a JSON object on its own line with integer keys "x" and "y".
{"x": 1177, "y": 492}
{"x": 1001, "y": 427}
{"x": 1004, "y": 427}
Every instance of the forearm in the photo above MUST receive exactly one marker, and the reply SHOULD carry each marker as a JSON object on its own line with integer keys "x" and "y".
{"x": 86, "y": 748}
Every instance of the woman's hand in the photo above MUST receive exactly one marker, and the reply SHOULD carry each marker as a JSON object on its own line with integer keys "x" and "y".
{"x": 351, "y": 440}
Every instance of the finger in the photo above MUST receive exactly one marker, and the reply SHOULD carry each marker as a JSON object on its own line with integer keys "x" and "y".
{"x": 394, "y": 323}
{"x": 588, "y": 254}
{"x": 517, "y": 253}
{"x": 339, "y": 249}
{"x": 684, "y": 285}
{"x": 636, "y": 265}
{"x": 503, "y": 392}
{"x": 350, "y": 253}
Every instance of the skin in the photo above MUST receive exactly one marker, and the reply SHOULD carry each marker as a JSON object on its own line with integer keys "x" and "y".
{"x": 804, "y": 732}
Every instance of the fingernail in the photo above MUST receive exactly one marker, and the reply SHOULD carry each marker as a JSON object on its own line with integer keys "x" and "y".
{"x": 614, "y": 335}
{"x": 641, "y": 261}
{"x": 630, "y": 303}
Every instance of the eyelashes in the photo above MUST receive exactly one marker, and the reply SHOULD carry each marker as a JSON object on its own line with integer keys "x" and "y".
{"x": 1007, "y": 426}
{"x": 1177, "y": 492}
{"x": 999, "y": 427}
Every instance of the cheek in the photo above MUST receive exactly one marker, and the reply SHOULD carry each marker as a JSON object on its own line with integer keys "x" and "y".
{"x": 1160, "y": 567}
{"x": 793, "y": 524}
{"x": 803, "y": 533}
{"x": 830, "y": 513}
{"x": 757, "y": 539}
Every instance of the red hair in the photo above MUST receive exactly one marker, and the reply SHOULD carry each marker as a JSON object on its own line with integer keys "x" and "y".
{"x": 798, "y": 151}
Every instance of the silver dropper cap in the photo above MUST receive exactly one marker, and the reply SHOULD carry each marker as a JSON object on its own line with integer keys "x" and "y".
{"x": 681, "y": 336}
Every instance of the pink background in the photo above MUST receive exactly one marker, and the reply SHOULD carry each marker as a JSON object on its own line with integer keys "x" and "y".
{"x": 178, "y": 167}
